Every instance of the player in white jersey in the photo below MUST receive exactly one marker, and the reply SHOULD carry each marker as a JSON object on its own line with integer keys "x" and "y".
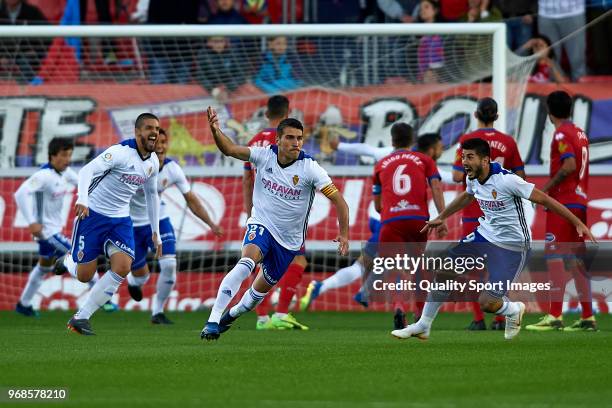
{"x": 429, "y": 144}
{"x": 285, "y": 185}
{"x": 103, "y": 225}
{"x": 170, "y": 174}
{"x": 502, "y": 238}
{"x": 40, "y": 199}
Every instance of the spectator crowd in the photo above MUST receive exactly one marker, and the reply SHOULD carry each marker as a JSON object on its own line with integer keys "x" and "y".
{"x": 223, "y": 65}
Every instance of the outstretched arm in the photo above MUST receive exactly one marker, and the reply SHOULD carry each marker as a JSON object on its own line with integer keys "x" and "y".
{"x": 195, "y": 205}
{"x": 460, "y": 202}
{"x": 152, "y": 198}
{"x": 224, "y": 143}
{"x": 539, "y": 197}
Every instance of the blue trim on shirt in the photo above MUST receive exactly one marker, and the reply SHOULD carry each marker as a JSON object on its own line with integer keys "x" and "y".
{"x": 406, "y": 217}
{"x": 469, "y": 219}
{"x": 515, "y": 169}
{"x": 376, "y": 189}
{"x": 581, "y": 206}
{"x": 459, "y": 168}
{"x": 303, "y": 155}
{"x": 130, "y": 143}
{"x": 567, "y": 155}
{"x": 46, "y": 166}
{"x": 167, "y": 160}
{"x": 435, "y": 176}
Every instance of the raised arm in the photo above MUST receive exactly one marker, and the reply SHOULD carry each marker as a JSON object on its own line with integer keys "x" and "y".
{"x": 224, "y": 143}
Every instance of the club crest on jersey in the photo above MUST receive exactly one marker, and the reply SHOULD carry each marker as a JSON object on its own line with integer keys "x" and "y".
{"x": 494, "y": 194}
{"x": 296, "y": 179}
{"x": 251, "y": 235}
{"x": 562, "y": 147}
{"x": 149, "y": 171}
{"x": 80, "y": 256}
{"x": 107, "y": 157}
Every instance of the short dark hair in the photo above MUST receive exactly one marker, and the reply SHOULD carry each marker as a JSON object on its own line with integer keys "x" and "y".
{"x": 288, "y": 123}
{"x": 278, "y": 107}
{"x": 480, "y": 146}
{"x": 401, "y": 134}
{"x": 559, "y": 104}
{"x": 486, "y": 110}
{"x": 162, "y": 131}
{"x": 428, "y": 140}
{"x": 60, "y": 144}
{"x": 142, "y": 117}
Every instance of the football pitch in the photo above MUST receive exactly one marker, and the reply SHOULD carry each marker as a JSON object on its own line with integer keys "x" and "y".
{"x": 346, "y": 359}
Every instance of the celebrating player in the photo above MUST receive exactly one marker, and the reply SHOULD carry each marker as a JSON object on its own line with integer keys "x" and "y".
{"x": 285, "y": 185}
{"x": 502, "y": 234}
{"x": 277, "y": 110}
{"x": 170, "y": 173}
{"x": 40, "y": 199}
{"x": 429, "y": 144}
{"x": 103, "y": 225}
{"x": 569, "y": 181}
{"x": 503, "y": 151}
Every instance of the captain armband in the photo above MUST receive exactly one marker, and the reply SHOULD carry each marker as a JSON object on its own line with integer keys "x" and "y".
{"x": 329, "y": 190}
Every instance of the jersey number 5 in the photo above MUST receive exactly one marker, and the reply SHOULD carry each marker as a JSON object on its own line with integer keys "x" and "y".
{"x": 401, "y": 181}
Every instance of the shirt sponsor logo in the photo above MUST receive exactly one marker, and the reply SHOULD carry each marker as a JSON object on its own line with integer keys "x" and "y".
{"x": 404, "y": 206}
{"x": 491, "y": 205}
{"x": 132, "y": 179}
{"x": 281, "y": 190}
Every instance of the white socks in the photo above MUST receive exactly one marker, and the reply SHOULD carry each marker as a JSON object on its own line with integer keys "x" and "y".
{"x": 100, "y": 294}
{"x": 435, "y": 300}
{"x": 35, "y": 279}
{"x": 137, "y": 280}
{"x": 508, "y": 308}
{"x": 70, "y": 265}
{"x": 230, "y": 286}
{"x": 342, "y": 277}
{"x": 250, "y": 299}
{"x": 165, "y": 283}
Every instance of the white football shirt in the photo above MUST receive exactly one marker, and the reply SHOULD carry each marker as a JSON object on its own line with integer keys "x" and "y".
{"x": 169, "y": 175}
{"x": 108, "y": 183}
{"x": 283, "y": 196}
{"x": 40, "y": 198}
{"x": 500, "y": 198}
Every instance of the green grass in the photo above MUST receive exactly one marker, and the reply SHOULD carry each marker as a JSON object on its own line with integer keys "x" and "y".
{"x": 346, "y": 359}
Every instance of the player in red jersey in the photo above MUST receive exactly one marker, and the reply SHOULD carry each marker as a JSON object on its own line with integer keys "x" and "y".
{"x": 504, "y": 151}
{"x": 568, "y": 184}
{"x": 277, "y": 110}
{"x": 400, "y": 196}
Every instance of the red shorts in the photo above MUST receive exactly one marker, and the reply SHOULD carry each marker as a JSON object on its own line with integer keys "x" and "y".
{"x": 561, "y": 235}
{"x": 395, "y": 233}
{"x": 467, "y": 227}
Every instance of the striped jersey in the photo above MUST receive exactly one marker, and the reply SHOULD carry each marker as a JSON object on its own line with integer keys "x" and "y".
{"x": 170, "y": 175}
{"x": 41, "y": 197}
{"x": 500, "y": 198}
{"x": 116, "y": 174}
{"x": 283, "y": 195}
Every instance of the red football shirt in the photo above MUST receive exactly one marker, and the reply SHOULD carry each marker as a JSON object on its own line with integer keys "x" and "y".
{"x": 264, "y": 138}
{"x": 570, "y": 141}
{"x": 503, "y": 150}
{"x": 402, "y": 178}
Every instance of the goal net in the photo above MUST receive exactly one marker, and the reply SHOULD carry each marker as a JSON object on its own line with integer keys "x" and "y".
{"x": 344, "y": 82}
